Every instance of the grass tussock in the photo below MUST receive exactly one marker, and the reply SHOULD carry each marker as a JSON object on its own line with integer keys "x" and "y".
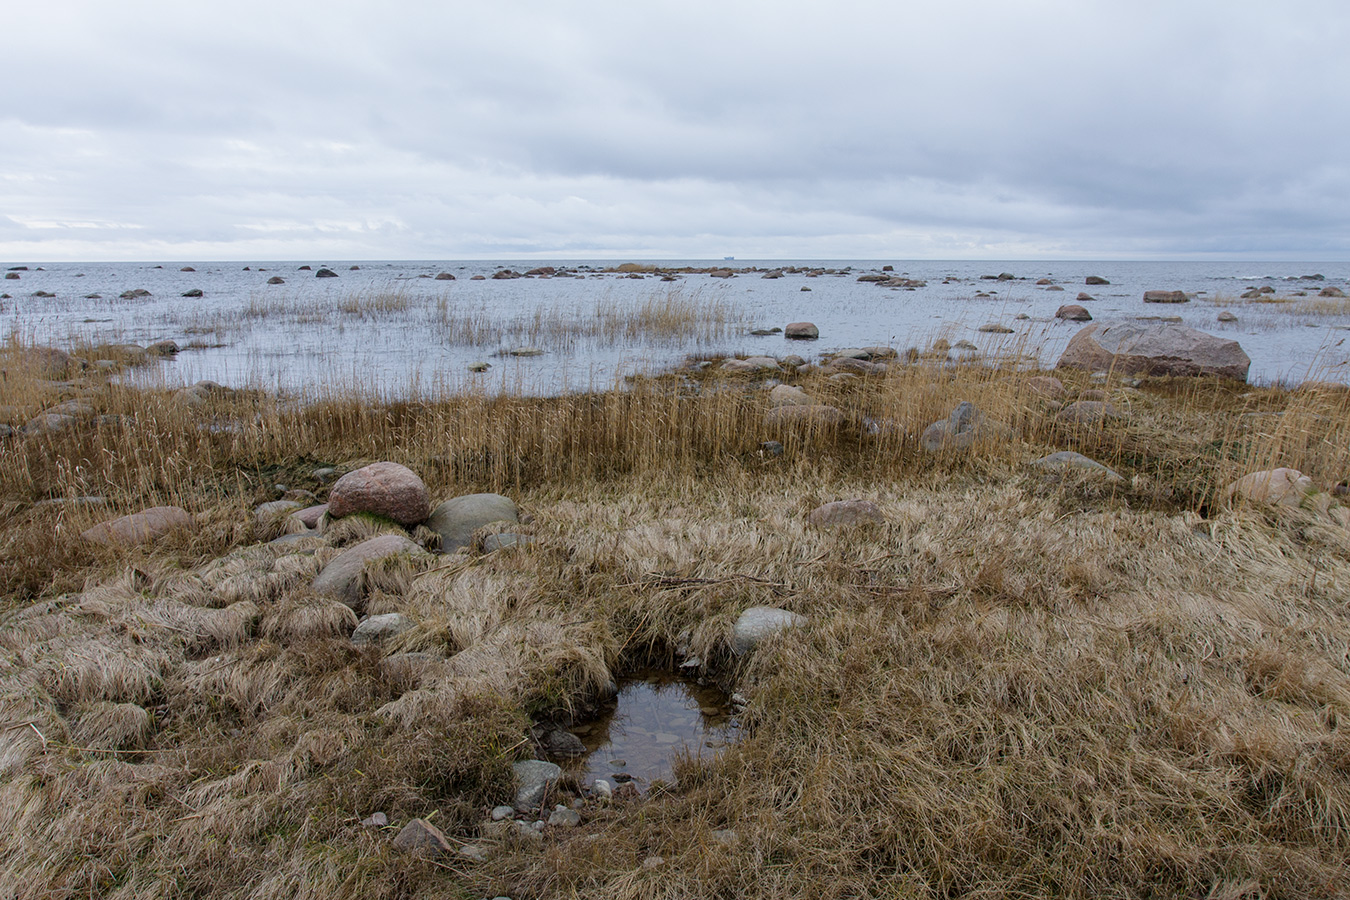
{"x": 1015, "y": 684}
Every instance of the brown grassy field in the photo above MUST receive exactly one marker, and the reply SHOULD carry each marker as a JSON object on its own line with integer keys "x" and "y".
{"x": 1017, "y": 685}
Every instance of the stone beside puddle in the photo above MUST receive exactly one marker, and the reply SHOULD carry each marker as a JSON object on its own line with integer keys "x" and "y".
{"x": 758, "y": 623}
{"x": 533, "y": 779}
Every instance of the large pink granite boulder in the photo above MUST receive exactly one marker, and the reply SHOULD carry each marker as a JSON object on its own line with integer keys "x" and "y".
{"x": 383, "y": 489}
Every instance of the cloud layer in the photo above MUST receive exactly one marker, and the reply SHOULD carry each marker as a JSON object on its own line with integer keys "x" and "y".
{"x": 1043, "y": 128}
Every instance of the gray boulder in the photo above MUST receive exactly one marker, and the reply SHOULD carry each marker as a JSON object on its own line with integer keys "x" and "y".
{"x": 1166, "y": 297}
{"x": 341, "y": 578}
{"x": 533, "y": 779}
{"x": 845, "y": 512}
{"x": 758, "y": 623}
{"x": 377, "y": 629}
{"x": 787, "y": 395}
{"x": 959, "y": 431}
{"x": 1138, "y": 348}
{"x": 139, "y": 528}
{"x": 801, "y": 331}
{"x": 1067, "y": 459}
{"x": 457, "y": 519}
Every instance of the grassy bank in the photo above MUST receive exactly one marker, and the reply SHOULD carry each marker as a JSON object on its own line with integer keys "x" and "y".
{"x": 1019, "y": 684}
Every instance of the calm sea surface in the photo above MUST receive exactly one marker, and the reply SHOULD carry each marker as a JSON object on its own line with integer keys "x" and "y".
{"x": 389, "y": 326}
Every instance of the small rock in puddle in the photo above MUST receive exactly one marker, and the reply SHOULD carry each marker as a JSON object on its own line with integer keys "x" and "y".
{"x": 655, "y": 716}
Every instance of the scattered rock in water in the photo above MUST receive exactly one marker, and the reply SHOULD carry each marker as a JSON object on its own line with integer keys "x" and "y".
{"x": 1067, "y": 459}
{"x": 341, "y": 578}
{"x": 995, "y": 328}
{"x": 478, "y": 278}
{"x": 534, "y": 777}
{"x": 457, "y": 519}
{"x": 524, "y": 352}
{"x": 846, "y": 512}
{"x": 163, "y": 349}
{"x": 787, "y": 395}
{"x": 134, "y": 294}
{"x": 325, "y": 273}
{"x": 1331, "y": 292}
{"x": 377, "y": 629}
{"x": 194, "y": 292}
{"x": 1096, "y": 279}
{"x": 479, "y": 366}
{"x": 505, "y": 275}
{"x": 557, "y": 742}
{"x": 1154, "y": 349}
{"x": 1073, "y": 313}
{"x": 421, "y": 837}
{"x": 139, "y": 528}
{"x": 1283, "y": 487}
{"x": 801, "y": 331}
{"x": 444, "y": 276}
{"x": 276, "y": 279}
{"x": 1166, "y": 297}
{"x": 758, "y": 623}
{"x": 384, "y": 489}
{"x": 1227, "y": 316}
{"x": 750, "y": 365}
{"x": 1084, "y": 297}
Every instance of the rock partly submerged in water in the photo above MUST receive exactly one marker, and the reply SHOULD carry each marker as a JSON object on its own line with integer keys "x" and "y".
{"x": 1136, "y": 348}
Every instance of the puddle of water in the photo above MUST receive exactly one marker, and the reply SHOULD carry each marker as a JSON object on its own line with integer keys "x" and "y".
{"x": 655, "y": 716}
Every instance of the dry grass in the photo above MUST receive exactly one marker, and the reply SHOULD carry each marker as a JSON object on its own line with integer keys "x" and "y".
{"x": 1015, "y": 686}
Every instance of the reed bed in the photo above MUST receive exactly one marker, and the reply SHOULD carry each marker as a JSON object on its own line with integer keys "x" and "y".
{"x": 1016, "y": 685}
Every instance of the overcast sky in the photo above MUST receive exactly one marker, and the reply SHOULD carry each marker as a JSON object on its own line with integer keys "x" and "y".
{"x": 930, "y": 129}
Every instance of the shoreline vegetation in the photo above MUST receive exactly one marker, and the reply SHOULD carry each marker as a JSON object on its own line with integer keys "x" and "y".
{"x": 997, "y": 668}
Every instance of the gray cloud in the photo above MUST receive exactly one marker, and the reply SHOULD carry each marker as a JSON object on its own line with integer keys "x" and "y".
{"x": 980, "y": 128}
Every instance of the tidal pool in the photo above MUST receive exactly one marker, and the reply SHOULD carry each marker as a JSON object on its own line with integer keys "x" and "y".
{"x": 655, "y": 716}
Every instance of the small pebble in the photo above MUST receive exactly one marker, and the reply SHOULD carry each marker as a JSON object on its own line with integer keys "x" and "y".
{"x": 502, "y": 812}
{"x": 378, "y": 820}
{"x": 653, "y": 862}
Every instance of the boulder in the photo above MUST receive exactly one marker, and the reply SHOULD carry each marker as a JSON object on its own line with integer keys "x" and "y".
{"x": 1136, "y": 348}
{"x": 384, "y": 489}
{"x": 444, "y": 276}
{"x": 959, "y": 431}
{"x": 1166, "y": 297}
{"x": 1067, "y": 459}
{"x": 815, "y": 416}
{"x": 845, "y": 512}
{"x": 421, "y": 837}
{"x": 1283, "y": 487}
{"x": 523, "y": 352}
{"x": 1084, "y": 297}
{"x": 134, "y": 294}
{"x": 194, "y": 292}
{"x": 1047, "y": 386}
{"x": 265, "y": 513}
{"x": 1096, "y": 279}
{"x": 50, "y": 423}
{"x": 341, "y": 578}
{"x": 163, "y": 349}
{"x": 45, "y": 362}
{"x": 377, "y": 629}
{"x": 139, "y": 528}
{"x": 311, "y": 515}
{"x": 1073, "y": 313}
{"x": 276, "y": 279}
{"x": 787, "y": 395}
{"x": 457, "y": 519}
{"x": 995, "y": 328}
{"x": 1226, "y": 316}
{"x": 1087, "y": 412}
{"x": 325, "y": 273}
{"x": 1331, "y": 292}
{"x": 758, "y": 623}
{"x": 751, "y": 365}
{"x": 533, "y": 779}
{"x": 801, "y": 331}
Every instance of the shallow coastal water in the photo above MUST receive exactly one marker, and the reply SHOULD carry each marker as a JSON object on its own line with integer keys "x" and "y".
{"x": 390, "y": 327}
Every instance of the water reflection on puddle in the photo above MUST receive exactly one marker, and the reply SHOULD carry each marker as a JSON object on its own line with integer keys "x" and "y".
{"x": 655, "y": 716}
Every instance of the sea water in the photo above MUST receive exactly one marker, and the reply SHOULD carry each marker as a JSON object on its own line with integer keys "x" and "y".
{"x": 390, "y": 327}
